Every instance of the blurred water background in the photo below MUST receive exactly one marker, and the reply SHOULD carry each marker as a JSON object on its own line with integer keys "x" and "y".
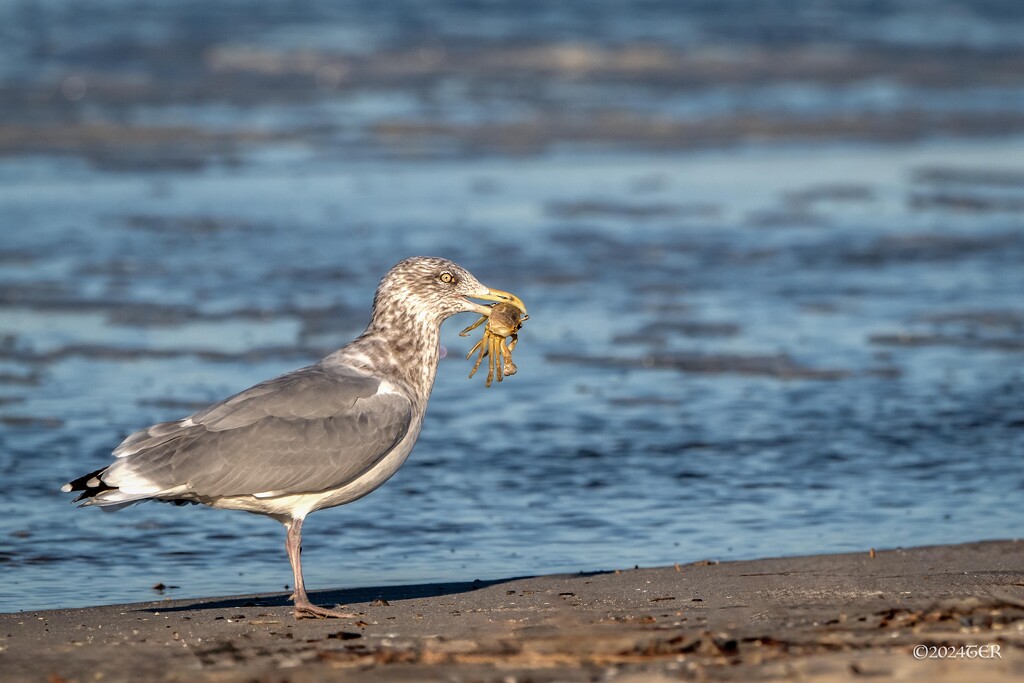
{"x": 773, "y": 254}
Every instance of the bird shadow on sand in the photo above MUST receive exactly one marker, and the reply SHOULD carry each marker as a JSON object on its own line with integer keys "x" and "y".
{"x": 329, "y": 598}
{"x": 348, "y": 596}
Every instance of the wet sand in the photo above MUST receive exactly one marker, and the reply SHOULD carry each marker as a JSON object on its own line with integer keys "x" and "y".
{"x": 825, "y": 617}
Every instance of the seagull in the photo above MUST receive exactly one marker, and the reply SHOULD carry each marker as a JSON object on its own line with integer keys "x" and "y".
{"x": 320, "y": 436}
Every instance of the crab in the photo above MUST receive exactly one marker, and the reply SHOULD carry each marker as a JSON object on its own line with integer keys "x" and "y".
{"x": 504, "y": 320}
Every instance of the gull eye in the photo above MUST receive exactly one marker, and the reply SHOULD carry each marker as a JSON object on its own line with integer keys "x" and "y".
{"x": 446, "y": 277}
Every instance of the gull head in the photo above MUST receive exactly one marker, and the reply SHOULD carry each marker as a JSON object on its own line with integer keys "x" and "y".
{"x": 435, "y": 289}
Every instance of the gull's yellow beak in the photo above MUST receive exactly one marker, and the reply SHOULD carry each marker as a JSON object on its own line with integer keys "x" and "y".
{"x": 499, "y": 296}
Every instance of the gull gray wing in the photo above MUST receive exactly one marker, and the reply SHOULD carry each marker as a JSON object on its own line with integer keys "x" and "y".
{"x": 311, "y": 430}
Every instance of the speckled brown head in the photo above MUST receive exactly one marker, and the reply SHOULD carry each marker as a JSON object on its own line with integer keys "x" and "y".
{"x": 433, "y": 289}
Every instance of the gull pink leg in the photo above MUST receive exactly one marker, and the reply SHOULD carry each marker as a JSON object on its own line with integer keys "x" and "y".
{"x": 303, "y": 607}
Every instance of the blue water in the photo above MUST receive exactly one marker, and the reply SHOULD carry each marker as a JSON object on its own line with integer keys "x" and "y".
{"x": 760, "y": 349}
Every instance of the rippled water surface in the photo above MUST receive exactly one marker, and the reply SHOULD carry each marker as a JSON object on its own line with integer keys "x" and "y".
{"x": 757, "y": 348}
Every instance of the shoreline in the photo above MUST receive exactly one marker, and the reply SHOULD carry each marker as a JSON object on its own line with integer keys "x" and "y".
{"x": 820, "y": 617}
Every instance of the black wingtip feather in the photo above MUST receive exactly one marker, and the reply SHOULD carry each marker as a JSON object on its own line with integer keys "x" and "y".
{"x": 82, "y": 484}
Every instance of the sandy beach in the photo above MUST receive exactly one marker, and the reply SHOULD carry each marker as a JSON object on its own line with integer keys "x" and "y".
{"x": 820, "y": 618}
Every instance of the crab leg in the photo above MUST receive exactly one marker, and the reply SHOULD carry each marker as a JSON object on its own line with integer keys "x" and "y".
{"x": 490, "y": 364}
{"x": 506, "y": 351}
{"x": 497, "y": 356}
{"x": 478, "y": 323}
{"x": 481, "y": 345}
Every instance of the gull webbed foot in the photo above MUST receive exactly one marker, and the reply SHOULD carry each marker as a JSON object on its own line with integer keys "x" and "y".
{"x": 307, "y": 610}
